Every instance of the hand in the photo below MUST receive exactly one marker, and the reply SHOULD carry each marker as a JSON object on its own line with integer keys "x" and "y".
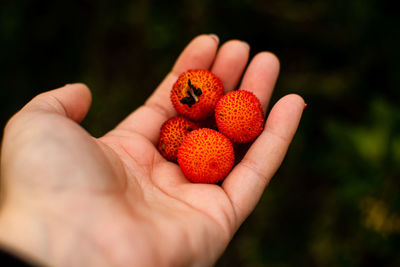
{"x": 70, "y": 199}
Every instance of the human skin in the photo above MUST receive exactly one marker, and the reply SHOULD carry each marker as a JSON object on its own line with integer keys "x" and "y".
{"x": 69, "y": 199}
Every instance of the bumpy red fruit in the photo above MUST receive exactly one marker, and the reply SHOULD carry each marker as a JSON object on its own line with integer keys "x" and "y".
{"x": 206, "y": 156}
{"x": 173, "y": 132}
{"x": 239, "y": 116}
{"x": 196, "y": 93}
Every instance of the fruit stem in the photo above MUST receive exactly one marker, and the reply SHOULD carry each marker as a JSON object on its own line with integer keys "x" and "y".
{"x": 193, "y": 94}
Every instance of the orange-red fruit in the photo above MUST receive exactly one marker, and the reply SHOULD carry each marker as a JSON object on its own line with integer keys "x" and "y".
{"x": 206, "y": 156}
{"x": 173, "y": 132}
{"x": 196, "y": 93}
{"x": 239, "y": 116}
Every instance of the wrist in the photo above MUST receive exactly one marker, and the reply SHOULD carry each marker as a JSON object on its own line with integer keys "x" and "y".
{"x": 21, "y": 235}
{"x": 46, "y": 239}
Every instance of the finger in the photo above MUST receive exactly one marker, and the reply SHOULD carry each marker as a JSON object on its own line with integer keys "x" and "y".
{"x": 147, "y": 119}
{"x": 72, "y": 101}
{"x": 248, "y": 179}
{"x": 230, "y": 62}
{"x": 199, "y": 54}
{"x": 261, "y": 76}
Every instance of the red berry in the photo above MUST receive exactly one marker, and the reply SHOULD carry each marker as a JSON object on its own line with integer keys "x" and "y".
{"x": 206, "y": 156}
{"x": 239, "y": 116}
{"x": 173, "y": 132}
{"x": 196, "y": 93}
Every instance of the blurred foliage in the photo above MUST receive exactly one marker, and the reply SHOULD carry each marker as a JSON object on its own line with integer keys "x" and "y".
{"x": 335, "y": 201}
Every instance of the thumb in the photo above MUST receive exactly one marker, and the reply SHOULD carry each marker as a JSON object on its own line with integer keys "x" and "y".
{"x": 72, "y": 101}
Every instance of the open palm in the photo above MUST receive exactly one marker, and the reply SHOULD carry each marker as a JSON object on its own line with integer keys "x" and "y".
{"x": 73, "y": 200}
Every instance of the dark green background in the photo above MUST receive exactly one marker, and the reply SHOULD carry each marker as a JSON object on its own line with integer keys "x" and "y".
{"x": 335, "y": 201}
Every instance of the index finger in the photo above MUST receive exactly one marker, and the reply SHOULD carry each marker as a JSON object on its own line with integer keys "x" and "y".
{"x": 147, "y": 119}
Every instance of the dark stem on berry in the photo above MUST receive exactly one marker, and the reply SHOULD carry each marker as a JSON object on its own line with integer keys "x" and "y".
{"x": 191, "y": 91}
{"x": 194, "y": 93}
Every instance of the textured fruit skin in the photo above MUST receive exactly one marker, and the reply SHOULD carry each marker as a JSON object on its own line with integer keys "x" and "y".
{"x": 206, "y": 156}
{"x": 239, "y": 116}
{"x": 193, "y": 103}
{"x": 173, "y": 132}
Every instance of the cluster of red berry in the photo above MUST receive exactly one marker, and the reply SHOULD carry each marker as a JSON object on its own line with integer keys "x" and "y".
{"x": 201, "y": 143}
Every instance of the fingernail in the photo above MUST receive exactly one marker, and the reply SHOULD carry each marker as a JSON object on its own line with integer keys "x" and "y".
{"x": 215, "y": 37}
{"x": 305, "y": 105}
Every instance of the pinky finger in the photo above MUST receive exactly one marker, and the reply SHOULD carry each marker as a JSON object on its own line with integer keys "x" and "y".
{"x": 247, "y": 181}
